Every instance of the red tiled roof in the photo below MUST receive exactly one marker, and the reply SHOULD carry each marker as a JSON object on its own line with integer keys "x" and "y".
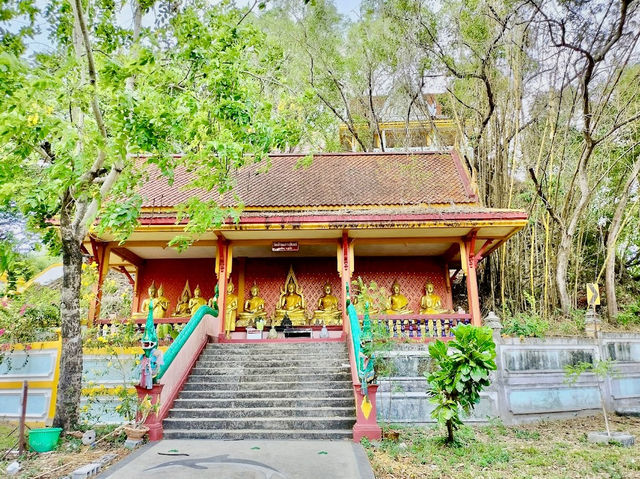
{"x": 332, "y": 179}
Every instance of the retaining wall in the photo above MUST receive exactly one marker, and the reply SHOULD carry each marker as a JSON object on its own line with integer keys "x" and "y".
{"x": 529, "y": 383}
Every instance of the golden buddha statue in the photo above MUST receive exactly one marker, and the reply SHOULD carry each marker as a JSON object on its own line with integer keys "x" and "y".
{"x": 328, "y": 312}
{"x": 230, "y": 311}
{"x": 144, "y": 309}
{"x": 291, "y": 302}
{"x": 253, "y": 309}
{"x": 196, "y": 301}
{"x": 160, "y": 304}
{"x": 398, "y": 302}
{"x": 430, "y": 303}
{"x": 182, "y": 308}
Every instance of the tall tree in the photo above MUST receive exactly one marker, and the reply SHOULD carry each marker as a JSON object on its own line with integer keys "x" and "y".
{"x": 73, "y": 120}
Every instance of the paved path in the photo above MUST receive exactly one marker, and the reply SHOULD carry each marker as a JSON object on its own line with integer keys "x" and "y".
{"x": 248, "y": 459}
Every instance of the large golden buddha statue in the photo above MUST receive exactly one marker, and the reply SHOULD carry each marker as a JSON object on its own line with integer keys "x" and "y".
{"x": 196, "y": 301}
{"x": 430, "y": 303}
{"x": 230, "y": 311}
{"x": 328, "y": 312}
{"x": 291, "y": 302}
{"x": 182, "y": 308}
{"x": 398, "y": 302}
{"x": 253, "y": 309}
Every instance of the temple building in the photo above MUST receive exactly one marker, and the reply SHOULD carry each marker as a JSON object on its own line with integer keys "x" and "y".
{"x": 410, "y": 222}
{"x": 424, "y": 127}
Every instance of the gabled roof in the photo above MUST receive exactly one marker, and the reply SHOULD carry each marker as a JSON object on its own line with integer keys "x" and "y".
{"x": 332, "y": 180}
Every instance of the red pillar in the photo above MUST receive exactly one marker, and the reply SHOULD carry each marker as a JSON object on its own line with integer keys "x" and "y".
{"x": 345, "y": 268}
{"x": 472, "y": 280}
{"x": 153, "y": 422}
{"x": 221, "y": 271}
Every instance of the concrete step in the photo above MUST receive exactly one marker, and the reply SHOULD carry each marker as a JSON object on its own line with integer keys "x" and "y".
{"x": 250, "y": 362}
{"x": 304, "y": 423}
{"x": 268, "y": 371}
{"x": 257, "y": 378}
{"x": 206, "y": 391}
{"x": 262, "y": 412}
{"x": 228, "y": 404}
{"x": 239, "y": 434}
{"x": 293, "y": 353}
{"x": 265, "y": 385}
{"x": 307, "y": 345}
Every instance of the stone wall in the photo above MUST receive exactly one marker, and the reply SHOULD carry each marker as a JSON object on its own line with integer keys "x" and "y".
{"x": 529, "y": 384}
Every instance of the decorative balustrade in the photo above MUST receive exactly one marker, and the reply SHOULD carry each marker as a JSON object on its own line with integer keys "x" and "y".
{"x": 423, "y": 327}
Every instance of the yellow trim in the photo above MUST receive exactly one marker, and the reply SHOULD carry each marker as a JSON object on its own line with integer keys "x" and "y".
{"x": 56, "y": 378}
{"x": 37, "y": 346}
{"x": 32, "y": 385}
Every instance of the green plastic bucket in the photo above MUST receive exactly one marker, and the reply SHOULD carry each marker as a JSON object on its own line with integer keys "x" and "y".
{"x": 45, "y": 439}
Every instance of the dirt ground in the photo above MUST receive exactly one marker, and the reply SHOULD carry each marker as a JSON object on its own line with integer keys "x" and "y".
{"x": 68, "y": 456}
{"x": 548, "y": 450}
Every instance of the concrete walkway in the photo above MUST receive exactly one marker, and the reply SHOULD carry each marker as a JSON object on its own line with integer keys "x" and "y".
{"x": 248, "y": 459}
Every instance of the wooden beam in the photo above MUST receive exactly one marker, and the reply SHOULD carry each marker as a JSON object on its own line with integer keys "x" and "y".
{"x": 124, "y": 271}
{"x": 129, "y": 256}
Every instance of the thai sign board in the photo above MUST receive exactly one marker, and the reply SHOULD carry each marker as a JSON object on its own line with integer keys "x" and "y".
{"x": 284, "y": 246}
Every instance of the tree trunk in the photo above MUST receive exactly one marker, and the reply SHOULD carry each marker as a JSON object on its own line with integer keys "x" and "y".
{"x": 562, "y": 266}
{"x": 612, "y": 241}
{"x": 70, "y": 382}
{"x": 450, "y": 431}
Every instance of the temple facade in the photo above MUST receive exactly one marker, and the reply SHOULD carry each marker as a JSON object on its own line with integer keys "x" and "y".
{"x": 411, "y": 223}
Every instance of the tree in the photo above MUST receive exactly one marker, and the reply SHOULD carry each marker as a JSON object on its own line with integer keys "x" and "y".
{"x": 462, "y": 368}
{"x": 73, "y": 120}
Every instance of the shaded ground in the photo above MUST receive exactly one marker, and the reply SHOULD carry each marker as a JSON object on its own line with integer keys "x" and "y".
{"x": 69, "y": 455}
{"x": 547, "y": 450}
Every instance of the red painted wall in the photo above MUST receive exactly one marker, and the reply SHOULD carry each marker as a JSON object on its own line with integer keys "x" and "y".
{"x": 412, "y": 272}
{"x": 173, "y": 273}
{"x": 270, "y": 273}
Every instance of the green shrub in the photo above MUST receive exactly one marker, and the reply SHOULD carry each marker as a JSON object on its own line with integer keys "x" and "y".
{"x": 527, "y": 325}
{"x": 631, "y": 315}
{"x": 462, "y": 368}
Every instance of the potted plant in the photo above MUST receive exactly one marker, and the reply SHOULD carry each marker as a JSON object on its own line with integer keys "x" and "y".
{"x": 137, "y": 429}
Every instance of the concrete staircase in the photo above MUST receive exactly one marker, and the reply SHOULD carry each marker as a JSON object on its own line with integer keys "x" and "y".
{"x": 266, "y": 391}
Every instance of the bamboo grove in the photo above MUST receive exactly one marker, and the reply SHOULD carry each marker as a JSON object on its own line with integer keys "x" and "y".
{"x": 545, "y": 99}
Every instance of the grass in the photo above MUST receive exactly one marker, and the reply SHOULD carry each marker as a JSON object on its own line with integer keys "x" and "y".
{"x": 68, "y": 456}
{"x": 549, "y": 450}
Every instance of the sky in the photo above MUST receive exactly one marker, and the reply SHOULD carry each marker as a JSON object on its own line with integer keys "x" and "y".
{"x": 40, "y": 43}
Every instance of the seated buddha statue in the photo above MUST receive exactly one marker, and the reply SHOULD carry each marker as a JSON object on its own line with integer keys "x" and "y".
{"x": 144, "y": 309}
{"x": 328, "y": 313}
{"x": 182, "y": 308}
{"x": 253, "y": 309}
{"x": 291, "y": 303}
{"x": 397, "y": 302}
{"x": 230, "y": 310}
{"x": 196, "y": 301}
{"x": 160, "y": 304}
{"x": 430, "y": 303}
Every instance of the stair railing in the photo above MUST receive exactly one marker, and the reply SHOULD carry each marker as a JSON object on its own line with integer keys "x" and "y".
{"x": 179, "y": 359}
{"x": 363, "y": 375}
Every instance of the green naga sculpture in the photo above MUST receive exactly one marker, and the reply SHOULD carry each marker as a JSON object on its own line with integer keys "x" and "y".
{"x": 151, "y": 359}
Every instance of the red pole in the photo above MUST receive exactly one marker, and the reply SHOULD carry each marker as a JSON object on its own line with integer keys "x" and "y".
{"x": 23, "y": 414}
